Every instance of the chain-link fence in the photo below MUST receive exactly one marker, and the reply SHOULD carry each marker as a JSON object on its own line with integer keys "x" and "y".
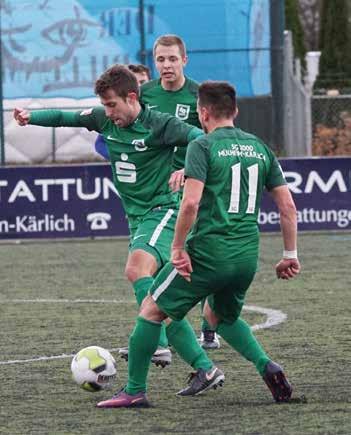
{"x": 38, "y": 145}
{"x": 331, "y": 125}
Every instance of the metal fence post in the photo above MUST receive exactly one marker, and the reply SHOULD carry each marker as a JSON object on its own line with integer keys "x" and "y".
{"x": 53, "y": 143}
{"x": 2, "y": 135}
{"x": 297, "y": 106}
{"x": 143, "y": 53}
{"x": 277, "y": 14}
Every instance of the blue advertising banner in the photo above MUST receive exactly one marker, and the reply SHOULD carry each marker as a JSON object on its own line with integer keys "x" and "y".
{"x": 81, "y": 201}
{"x": 321, "y": 188}
{"x": 58, "y": 49}
{"x": 59, "y": 201}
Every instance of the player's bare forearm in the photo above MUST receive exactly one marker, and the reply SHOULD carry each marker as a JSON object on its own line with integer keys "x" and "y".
{"x": 288, "y": 217}
{"x": 289, "y": 266}
{"x": 188, "y": 211}
{"x": 288, "y": 224}
{"x": 186, "y": 219}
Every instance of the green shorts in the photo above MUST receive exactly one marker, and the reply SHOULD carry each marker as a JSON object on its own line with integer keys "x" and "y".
{"x": 154, "y": 233}
{"x": 224, "y": 286}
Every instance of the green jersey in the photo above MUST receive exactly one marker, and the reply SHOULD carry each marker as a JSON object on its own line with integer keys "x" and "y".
{"x": 181, "y": 103}
{"x": 140, "y": 154}
{"x": 235, "y": 167}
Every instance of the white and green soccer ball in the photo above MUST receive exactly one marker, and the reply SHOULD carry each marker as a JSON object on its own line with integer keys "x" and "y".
{"x": 94, "y": 368}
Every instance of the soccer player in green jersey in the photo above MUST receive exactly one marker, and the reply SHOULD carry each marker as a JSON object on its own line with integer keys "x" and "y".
{"x": 141, "y": 144}
{"x": 215, "y": 248}
{"x": 175, "y": 93}
{"x": 172, "y": 92}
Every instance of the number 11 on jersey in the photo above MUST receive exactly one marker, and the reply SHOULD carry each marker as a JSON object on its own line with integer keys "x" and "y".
{"x": 236, "y": 184}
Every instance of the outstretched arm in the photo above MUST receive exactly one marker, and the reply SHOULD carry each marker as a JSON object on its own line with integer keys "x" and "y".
{"x": 289, "y": 265}
{"x": 56, "y": 118}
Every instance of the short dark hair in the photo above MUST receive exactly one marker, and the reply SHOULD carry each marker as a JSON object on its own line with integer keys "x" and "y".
{"x": 119, "y": 79}
{"x": 168, "y": 40}
{"x": 219, "y": 98}
{"x": 140, "y": 68}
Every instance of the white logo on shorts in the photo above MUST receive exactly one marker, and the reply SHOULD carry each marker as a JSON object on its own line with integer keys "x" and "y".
{"x": 138, "y": 236}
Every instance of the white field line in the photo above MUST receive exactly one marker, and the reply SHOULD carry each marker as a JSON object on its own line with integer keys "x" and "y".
{"x": 43, "y": 358}
{"x": 66, "y": 301}
{"x": 274, "y": 317}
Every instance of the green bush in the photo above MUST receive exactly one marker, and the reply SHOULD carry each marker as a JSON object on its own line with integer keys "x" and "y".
{"x": 335, "y": 45}
{"x": 293, "y": 23}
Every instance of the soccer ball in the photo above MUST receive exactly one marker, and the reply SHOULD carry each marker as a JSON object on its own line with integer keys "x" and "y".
{"x": 93, "y": 368}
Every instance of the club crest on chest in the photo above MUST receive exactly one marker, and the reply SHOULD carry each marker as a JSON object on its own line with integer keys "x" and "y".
{"x": 182, "y": 111}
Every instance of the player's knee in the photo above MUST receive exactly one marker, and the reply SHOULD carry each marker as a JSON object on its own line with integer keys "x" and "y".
{"x": 131, "y": 272}
{"x": 150, "y": 311}
{"x": 140, "y": 264}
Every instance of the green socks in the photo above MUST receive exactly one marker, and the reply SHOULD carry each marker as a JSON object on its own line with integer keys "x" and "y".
{"x": 182, "y": 337}
{"x": 141, "y": 288}
{"x": 241, "y": 338}
{"x": 142, "y": 345}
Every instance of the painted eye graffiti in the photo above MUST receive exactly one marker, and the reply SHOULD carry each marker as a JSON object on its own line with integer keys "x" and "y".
{"x": 69, "y": 31}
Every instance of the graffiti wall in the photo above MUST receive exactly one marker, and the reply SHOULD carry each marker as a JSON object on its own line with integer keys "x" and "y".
{"x": 56, "y": 49}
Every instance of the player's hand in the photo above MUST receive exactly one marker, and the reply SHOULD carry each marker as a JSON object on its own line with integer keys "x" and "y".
{"x": 287, "y": 268}
{"x": 21, "y": 116}
{"x": 176, "y": 180}
{"x": 182, "y": 262}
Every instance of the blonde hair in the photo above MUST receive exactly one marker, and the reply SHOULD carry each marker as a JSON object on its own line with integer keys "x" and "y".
{"x": 168, "y": 40}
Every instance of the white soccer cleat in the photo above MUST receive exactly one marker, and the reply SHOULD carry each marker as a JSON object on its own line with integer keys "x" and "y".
{"x": 162, "y": 357}
{"x": 209, "y": 340}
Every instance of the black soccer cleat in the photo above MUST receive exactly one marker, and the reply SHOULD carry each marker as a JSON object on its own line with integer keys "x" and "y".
{"x": 201, "y": 381}
{"x": 277, "y": 382}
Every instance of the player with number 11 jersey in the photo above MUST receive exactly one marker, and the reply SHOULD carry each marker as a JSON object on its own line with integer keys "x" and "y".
{"x": 241, "y": 167}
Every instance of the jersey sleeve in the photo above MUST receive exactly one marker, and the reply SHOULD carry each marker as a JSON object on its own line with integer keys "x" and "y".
{"x": 275, "y": 176}
{"x": 178, "y": 133}
{"x": 196, "y": 161}
{"x": 92, "y": 119}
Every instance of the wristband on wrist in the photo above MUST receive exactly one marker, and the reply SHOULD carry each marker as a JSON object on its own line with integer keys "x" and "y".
{"x": 290, "y": 254}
